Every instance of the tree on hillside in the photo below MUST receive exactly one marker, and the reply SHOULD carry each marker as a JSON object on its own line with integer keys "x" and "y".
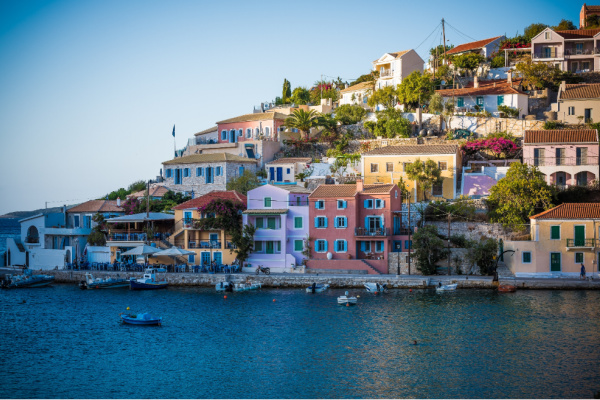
{"x": 469, "y": 62}
{"x": 286, "y": 92}
{"x": 533, "y": 30}
{"x": 564, "y": 25}
{"x": 137, "y": 186}
{"x": 521, "y": 194}
{"x": 302, "y": 120}
{"x": 323, "y": 90}
{"x": 543, "y": 75}
{"x": 428, "y": 249}
{"x": 592, "y": 21}
{"x": 300, "y": 95}
{"x": 426, "y": 174}
{"x": 390, "y": 124}
{"x": 385, "y": 96}
{"x": 348, "y": 114}
{"x": 415, "y": 89}
{"x": 244, "y": 183}
{"x": 370, "y": 77}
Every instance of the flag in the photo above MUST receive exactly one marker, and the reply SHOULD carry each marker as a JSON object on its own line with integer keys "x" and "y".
{"x": 173, "y": 130}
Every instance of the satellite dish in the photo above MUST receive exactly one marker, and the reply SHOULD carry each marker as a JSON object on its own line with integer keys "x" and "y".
{"x": 443, "y": 82}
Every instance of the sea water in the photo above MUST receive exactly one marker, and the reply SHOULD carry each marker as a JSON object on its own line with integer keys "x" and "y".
{"x": 9, "y": 228}
{"x": 62, "y": 342}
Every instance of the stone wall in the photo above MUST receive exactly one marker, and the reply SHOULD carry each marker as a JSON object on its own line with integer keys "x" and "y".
{"x": 400, "y": 260}
{"x": 472, "y": 230}
{"x": 484, "y": 126}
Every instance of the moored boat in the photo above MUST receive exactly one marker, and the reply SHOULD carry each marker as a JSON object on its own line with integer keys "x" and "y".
{"x": 314, "y": 288}
{"x": 26, "y": 280}
{"x": 98, "y": 283}
{"x": 149, "y": 281}
{"x": 507, "y": 288}
{"x": 375, "y": 287}
{"x": 224, "y": 287}
{"x": 141, "y": 319}
{"x": 346, "y": 300}
{"x": 242, "y": 287}
{"x": 446, "y": 288}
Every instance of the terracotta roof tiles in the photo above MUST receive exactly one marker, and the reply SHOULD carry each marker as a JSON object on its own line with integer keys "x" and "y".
{"x": 290, "y": 160}
{"x": 96, "y": 206}
{"x": 581, "y": 91}
{"x": 209, "y": 158}
{"x": 571, "y": 211}
{"x": 254, "y": 117}
{"x": 346, "y": 190}
{"x": 485, "y": 88}
{"x": 424, "y": 149}
{"x": 359, "y": 86}
{"x": 578, "y": 33}
{"x": 207, "y": 198}
{"x": 209, "y": 130}
{"x": 561, "y": 136}
{"x": 472, "y": 45}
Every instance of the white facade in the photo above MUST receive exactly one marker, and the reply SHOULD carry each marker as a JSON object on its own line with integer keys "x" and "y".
{"x": 393, "y": 67}
{"x": 490, "y": 103}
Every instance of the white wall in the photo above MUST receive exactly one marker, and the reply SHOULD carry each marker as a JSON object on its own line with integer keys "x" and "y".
{"x": 48, "y": 258}
{"x": 99, "y": 254}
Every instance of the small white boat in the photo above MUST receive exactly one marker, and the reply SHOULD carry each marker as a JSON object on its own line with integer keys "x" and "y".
{"x": 314, "y": 288}
{"x": 242, "y": 287}
{"x": 446, "y": 288}
{"x": 350, "y": 300}
{"x": 224, "y": 287}
{"x": 375, "y": 287}
{"x": 102, "y": 283}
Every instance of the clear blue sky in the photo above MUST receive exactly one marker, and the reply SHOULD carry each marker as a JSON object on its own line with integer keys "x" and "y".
{"x": 90, "y": 90}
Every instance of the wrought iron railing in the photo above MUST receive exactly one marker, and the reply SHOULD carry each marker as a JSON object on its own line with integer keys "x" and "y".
{"x": 371, "y": 231}
{"x": 581, "y": 242}
{"x": 558, "y": 161}
{"x": 127, "y": 237}
{"x": 209, "y": 244}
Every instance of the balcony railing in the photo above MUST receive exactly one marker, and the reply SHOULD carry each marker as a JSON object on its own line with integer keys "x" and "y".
{"x": 385, "y": 73}
{"x": 371, "y": 231}
{"x": 582, "y": 52}
{"x": 402, "y": 231}
{"x": 559, "y": 161}
{"x": 209, "y": 244}
{"x": 543, "y": 55}
{"x": 581, "y": 242}
{"x": 127, "y": 237}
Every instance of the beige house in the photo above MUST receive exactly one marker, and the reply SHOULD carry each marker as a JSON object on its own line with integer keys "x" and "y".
{"x": 393, "y": 67}
{"x": 578, "y": 103}
{"x": 562, "y": 239}
{"x": 357, "y": 94}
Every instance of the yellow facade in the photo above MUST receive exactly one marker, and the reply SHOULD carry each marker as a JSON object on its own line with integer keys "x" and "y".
{"x": 208, "y": 245}
{"x": 390, "y": 168}
{"x": 556, "y": 247}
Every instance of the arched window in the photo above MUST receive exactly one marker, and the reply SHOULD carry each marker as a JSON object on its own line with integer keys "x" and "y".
{"x": 256, "y": 132}
{"x": 32, "y": 235}
{"x": 248, "y": 133}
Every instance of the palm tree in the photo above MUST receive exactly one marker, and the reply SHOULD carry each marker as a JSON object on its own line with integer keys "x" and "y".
{"x": 302, "y": 120}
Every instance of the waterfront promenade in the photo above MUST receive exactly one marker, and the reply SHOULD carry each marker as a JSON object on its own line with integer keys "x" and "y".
{"x": 286, "y": 280}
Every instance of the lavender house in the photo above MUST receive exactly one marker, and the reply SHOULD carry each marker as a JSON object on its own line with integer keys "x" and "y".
{"x": 280, "y": 214}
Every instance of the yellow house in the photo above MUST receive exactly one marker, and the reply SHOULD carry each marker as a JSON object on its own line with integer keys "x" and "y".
{"x": 209, "y": 245}
{"x": 562, "y": 239}
{"x": 388, "y": 165}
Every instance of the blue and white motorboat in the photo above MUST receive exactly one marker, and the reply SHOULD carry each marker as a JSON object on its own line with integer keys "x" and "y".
{"x": 26, "y": 280}
{"x": 314, "y": 288}
{"x": 446, "y": 288}
{"x": 346, "y": 299}
{"x": 98, "y": 283}
{"x": 242, "y": 287}
{"x": 141, "y": 319}
{"x": 224, "y": 287}
{"x": 149, "y": 281}
{"x": 375, "y": 287}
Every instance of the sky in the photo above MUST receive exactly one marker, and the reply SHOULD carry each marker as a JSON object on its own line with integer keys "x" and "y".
{"x": 90, "y": 90}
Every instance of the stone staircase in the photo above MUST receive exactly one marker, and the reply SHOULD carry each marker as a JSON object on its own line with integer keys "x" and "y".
{"x": 371, "y": 269}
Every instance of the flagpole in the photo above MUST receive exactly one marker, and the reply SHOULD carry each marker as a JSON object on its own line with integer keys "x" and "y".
{"x": 174, "y": 144}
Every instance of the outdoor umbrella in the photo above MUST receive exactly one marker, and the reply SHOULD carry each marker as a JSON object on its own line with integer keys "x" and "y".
{"x": 141, "y": 251}
{"x": 173, "y": 252}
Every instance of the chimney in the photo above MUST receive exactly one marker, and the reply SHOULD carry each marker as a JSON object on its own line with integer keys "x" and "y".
{"x": 118, "y": 202}
{"x": 359, "y": 185}
{"x": 563, "y": 86}
{"x": 509, "y": 78}
{"x": 476, "y": 82}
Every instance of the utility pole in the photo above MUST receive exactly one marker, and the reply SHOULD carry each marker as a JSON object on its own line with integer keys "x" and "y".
{"x": 321, "y": 84}
{"x": 449, "y": 216}
{"x": 444, "y": 37}
{"x": 409, "y": 231}
{"x": 148, "y": 200}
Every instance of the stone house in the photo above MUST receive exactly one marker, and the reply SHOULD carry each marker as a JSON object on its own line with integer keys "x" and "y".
{"x": 578, "y": 103}
{"x": 204, "y": 173}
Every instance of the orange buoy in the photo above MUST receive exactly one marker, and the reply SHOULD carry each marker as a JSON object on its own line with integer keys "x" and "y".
{"x": 347, "y": 305}
{"x": 273, "y": 300}
{"x": 225, "y": 296}
{"x": 410, "y": 290}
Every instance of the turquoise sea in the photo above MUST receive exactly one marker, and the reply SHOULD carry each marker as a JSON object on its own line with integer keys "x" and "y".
{"x": 62, "y": 342}
{"x": 9, "y": 227}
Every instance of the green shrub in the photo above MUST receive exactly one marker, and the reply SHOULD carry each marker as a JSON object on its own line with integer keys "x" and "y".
{"x": 553, "y": 125}
{"x": 459, "y": 241}
{"x": 509, "y": 111}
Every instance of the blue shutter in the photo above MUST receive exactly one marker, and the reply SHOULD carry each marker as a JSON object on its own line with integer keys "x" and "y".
{"x": 325, "y": 222}
{"x": 335, "y": 222}
{"x": 345, "y": 204}
{"x": 345, "y": 245}
{"x": 366, "y": 204}
{"x": 382, "y": 203}
{"x": 366, "y": 222}
{"x": 316, "y": 222}
{"x": 325, "y": 242}
{"x": 336, "y": 246}
{"x": 362, "y": 246}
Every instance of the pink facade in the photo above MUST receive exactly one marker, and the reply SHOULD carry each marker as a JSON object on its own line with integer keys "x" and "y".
{"x": 241, "y": 131}
{"x": 355, "y": 222}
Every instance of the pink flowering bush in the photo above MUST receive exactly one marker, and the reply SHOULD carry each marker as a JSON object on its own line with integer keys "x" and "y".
{"x": 227, "y": 215}
{"x": 500, "y": 147}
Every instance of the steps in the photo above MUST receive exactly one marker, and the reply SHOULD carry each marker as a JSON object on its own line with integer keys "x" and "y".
{"x": 374, "y": 271}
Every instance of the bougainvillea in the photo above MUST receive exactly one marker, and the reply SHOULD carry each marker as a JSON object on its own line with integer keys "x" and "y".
{"x": 499, "y": 146}
{"x": 221, "y": 214}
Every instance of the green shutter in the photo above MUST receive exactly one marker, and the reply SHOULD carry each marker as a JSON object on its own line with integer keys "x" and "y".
{"x": 259, "y": 223}
{"x": 258, "y": 246}
{"x": 500, "y": 100}
{"x": 298, "y": 245}
{"x": 526, "y": 257}
{"x": 297, "y": 222}
{"x": 271, "y": 223}
{"x": 555, "y": 232}
{"x": 267, "y": 202}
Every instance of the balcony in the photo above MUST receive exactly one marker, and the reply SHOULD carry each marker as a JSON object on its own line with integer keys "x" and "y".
{"x": 560, "y": 161}
{"x": 548, "y": 55}
{"x": 210, "y": 244}
{"x": 371, "y": 232}
{"x": 127, "y": 237}
{"x": 580, "y": 244}
{"x": 386, "y": 73}
{"x": 582, "y": 52}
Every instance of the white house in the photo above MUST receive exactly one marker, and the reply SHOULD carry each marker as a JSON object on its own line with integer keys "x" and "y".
{"x": 485, "y": 47}
{"x": 285, "y": 169}
{"x": 393, "y": 67}
{"x": 357, "y": 94}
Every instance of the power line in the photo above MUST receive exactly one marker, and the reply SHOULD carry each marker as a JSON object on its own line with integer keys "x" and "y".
{"x": 459, "y": 32}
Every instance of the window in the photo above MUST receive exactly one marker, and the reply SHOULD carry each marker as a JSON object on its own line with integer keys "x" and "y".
{"x": 365, "y": 247}
{"x": 500, "y": 100}
{"x": 256, "y": 132}
{"x": 260, "y": 222}
{"x": 368, "y": 203}
{"x": 320, "y": 246}
{"x": 320, "y": 222}
{"x": 379, "y": 203}
{"x": 408, "y": 244}
{"x": 271, "y": 223}
{"x": 288, "y": 171}
{"x": 340, "y": 246}
{"x": 341, "y": 222}
{"x": 526, "y": 257}
{"x": 240, "y": 133}
{"x": 320, "y": 204}
{"x": 241, "y": 171}
{"x": 443, "y": 165}
{"x": 258, "y": 247}
{"x": 341, "y": 204}
{"x": 374, "y": 167}
{"x": 555, "y": 232}
{"x": 396, "y": 194}
{"x": 379, "y": 246}
{"x": 547, "y": 35}
{"x": 581, "y": 156}
{"x": 460, "y": 102}
{"x": 578, "y": 48}
{"x": 297, "y": 222}
{"x": 223, "y": 135}
{"x": 169, "y": 173}
{"x": 248, "y": 133}
{"x": 87, "y": 221}
{"x": 186, "y": 172}
{"x": 267, "y": 131}
{"x": 199, "y": 171}
{"x": 267, "y": 202}
{"x": 389, "y": 167}
{"x": 298, "y": 201}
{"x": 219, "y": 171}
{"x": 192, "y": 259}
{"x": 75, "y": 221}
{"x": 571, "y": 110}
{"x": 480, "y": 100}
{"x": 298, "y": 245}
{"x": 208, "y": 177}
{"x": 437, "y": 190}
{"x": 578, "y": 258}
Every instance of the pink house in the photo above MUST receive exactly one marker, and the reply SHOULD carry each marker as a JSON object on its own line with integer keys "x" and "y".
{"x": 355, "y": 223}
{"x": 259, "y": 126}
{"x": 566, "y": 157}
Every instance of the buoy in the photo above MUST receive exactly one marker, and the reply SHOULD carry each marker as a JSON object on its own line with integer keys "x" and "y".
{"x": 273, "y": 300}
{"x": 128, "y": 308}
{"x": 376, "y": 292}
{"x": 347, "y": 304}
{"x": 410, "y": 290}
{"x": 357, "y": 296}
{"x": 225, "y": 296}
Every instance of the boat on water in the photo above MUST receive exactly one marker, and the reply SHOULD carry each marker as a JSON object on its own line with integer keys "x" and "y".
{"x": 446, "y": 288}
{"x": 507, "y": 288}
{"x": 374, "y": 287}
{"x": 242, "y": 287}
{"x": 314, "y": 288}
{"x": 140, "y": 319}
{"x": 224, "y": 287}
{"x": 26, "y": 280}
{"x": 98, "y": 283}
{"x": 150, "y": 281}
{"x": 347, "y": 300}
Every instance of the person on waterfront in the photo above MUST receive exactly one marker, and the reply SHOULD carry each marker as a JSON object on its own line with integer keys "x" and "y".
{"x": 582, "y": 274}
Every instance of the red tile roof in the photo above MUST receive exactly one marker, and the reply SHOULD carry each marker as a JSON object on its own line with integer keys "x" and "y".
{"x": 561, "y": 136}
{"x": 581, "y": 91}
{"x": 494, "y": 87}
{"x": 291, "y": 160}
{"x": 97, "y": 206}
{"x": 207, "y": 198}
{"x": 578, "y": 33}
{"x": 571, "y": 211}
{"x": 348, "y": 190}
{"x": 156, "y": 191}
{"x": 592, "y": 8}
{"x": 424, "y": 149}
{"x": 472, "y": 46}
